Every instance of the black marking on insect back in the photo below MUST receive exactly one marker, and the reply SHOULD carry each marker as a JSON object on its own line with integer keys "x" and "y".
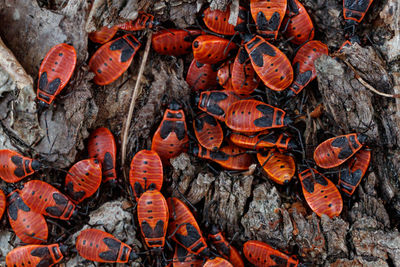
{"x": 127, "y": 53}
{"x": 45, "y": 263}
{"x": 108, "y": 163}
{"x": 181, "y": 253}
{"x": 320, "y": 179}
{"x": 349, "y": 177}
{"x": 293, "y": 8}
{"x": 19, "y": 171}
{"x": 60, "y": 199}
{"x": 258, "y": 53}
{"x": 198, "y": 247}
{"x": 303, "y": 78}
{"x": 118, "y": 44}
{"x": 243, "y": 56}
{"x": 69, "y": 210}
{"x": 210, "y": 120}
{"x": 268, "y": 25}
{"x": 223, "y": 249}
{"x": 114, "y": 246}
{"x": 191, "y": 237}
{"x": 217, "y": 97}
{"x": 138, "y": 189}
{"x": 40, "y": 252}
{"x": 308, "y": 184}
{"x": 53, "y": 86}
{"x": 28, "y": 165}
{"x": 279, "y": 117}
{"x": 251, "y": 44}
{"x": 149, "y": 232}
{"x": 16, "y": 203}
{"x": 216, "y": 110}
{"x": 268, "y": 116}
{"x": 180, "y": 130}
{"x": 54, "y": 211}
{"x": 219, "y": 155}
{"x": 44, "y": 97}
{"x": 74, "y": 195}
{"x": 353, "y": 142}
{"x": 278, "y": 260}
{"x": 357, "y": 5}
{"x": 43, "y": 81}
{"x": 343, "y": 144}
{"x": 270, "y": 138}
{"x": 199, "y": 124}
{"x": 166, "y": 128}
{"x": 133, "y": 41}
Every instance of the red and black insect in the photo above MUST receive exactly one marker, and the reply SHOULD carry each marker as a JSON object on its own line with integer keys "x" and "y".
{"x": 217, "y": 21}
{"x": 216, "y": 103}
{"x": 152, "y": 212}
{"x": 217, "y": 262}
{"x": 336, "y": 150}
{"x": 97, "y": 245}
{"x": 355, "y": 10}
{"x": 174, "y": 42}
{"x": 182, "y": 258}
{"x": 224, "y": 76}
{"x": 303, "y": 65}
{"x": 146, "y": 172}
{"x": 28, "y": 225}
{"x": 3, "y": 203}
{"x": 143, "y": 21}
{"x": 351, "y": 174}
{"x": 208, "y": 131}
{"x": 271, "y": 65}
{"x": 230, "y": 157}
{"x": 261, "y": 254}
{"x": 47, "y": 200}
{"x": 201, "y": 76}
{"x": 55, "y": 71}
{"x": 184, "y": 228}
{"x": 244, "y": 78}
{"x": 210, "y": 49}
{"x": 102, "y": 146}
{"x": 104, "y": 35}
{"x": 171, "y": 138}
{"x": 36, "y": 255}
{"x": 279, "y": 167}
{"x": 268, "y": 16}
{"x": 83, "y": 179}
{"x": 264, "y": 139}
{"x": 320, "y": 193}
{"x": 251, "y": 116}
{"x": 224, "y": 248}
{"x": 300, "y": 28}
{"x": 14, "y": 167}
{"x": 113, "y": 58}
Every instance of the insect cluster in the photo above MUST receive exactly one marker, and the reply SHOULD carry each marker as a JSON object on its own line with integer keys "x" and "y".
{"x": 234, "y": 123}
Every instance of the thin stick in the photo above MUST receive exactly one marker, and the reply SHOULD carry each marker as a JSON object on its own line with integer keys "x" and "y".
{"x": 135, "y": 95}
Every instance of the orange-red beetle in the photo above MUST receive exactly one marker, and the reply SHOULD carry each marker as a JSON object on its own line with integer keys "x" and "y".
{"x": 143, "y": 21}
{"x": 217, "y": 262}
{"x": 97, "y": 245}
{"x": 3, "y": 203}
{"x": 14, "y": 167}
{"x": 55, "y": 71}
{"x": 171, "y": 138}
{"x": 336, "y": 150}
{"x": 351, "y": 174}
{"x": 261, "y": 254}
{"x": 303, "y": 65}
{"x": 152, "y": 212}
{"x": 184, "y": 228}
{"x": 300, "y": 28}
{"x": 83, "y": 179}
{"x": 268, "y": 16}
{"x": 271, "y": 65}
{"x": 216, "y": 103}
{"x": 104, "y": 35}
{"x": 279, "y": 167}
{"x": 208, "y": 131}
{"x": 36, "y": 255}
{"x": 229, "y": 157}
{"x": 251, "y": 116}
{"x": 201, "y": 76}
{"x": 182, "y": 258}
{"x": 113, "y": 58}
{"x": 29, "y": 226}
{"x": 217, "y": 21}
{"x": 320, "y": 193}
{"x": 174, "y": 42}
{"x": 244, "y": 78}
{"x": 47, "y": 200}
{"x": 210, "y": 49}
{"x": 224, "y": 248}
{"x": 264, "y": 139}
{"x": 146, "y": 172}
{"x": 102, "y": 146}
